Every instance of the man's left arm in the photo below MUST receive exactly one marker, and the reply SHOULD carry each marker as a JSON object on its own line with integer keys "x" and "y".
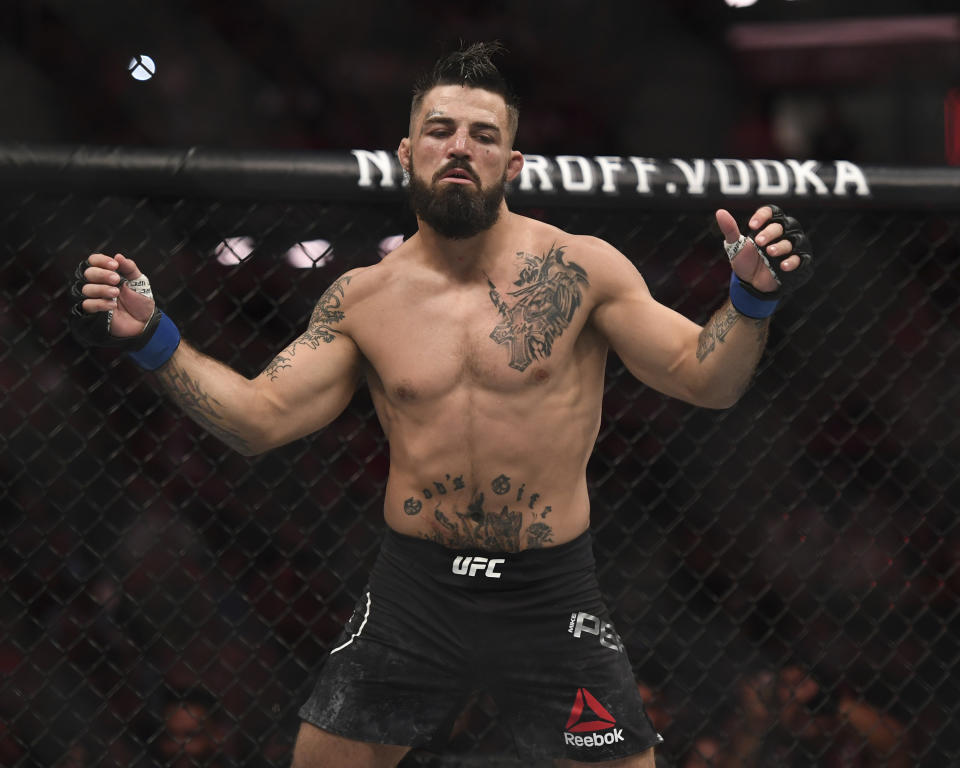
{"x": 712, "y": 365}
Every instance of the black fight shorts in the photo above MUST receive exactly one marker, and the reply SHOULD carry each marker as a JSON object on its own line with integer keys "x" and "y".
{"x": 530, "y": 628}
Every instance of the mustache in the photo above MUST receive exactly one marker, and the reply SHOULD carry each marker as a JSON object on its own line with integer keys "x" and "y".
{"x": 462, "y": 165}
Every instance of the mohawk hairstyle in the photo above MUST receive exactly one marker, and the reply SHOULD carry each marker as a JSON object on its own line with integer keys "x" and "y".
{"x": 472, "y": 67}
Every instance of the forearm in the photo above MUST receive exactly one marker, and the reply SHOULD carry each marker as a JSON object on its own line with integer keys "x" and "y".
{"x": 250, "y": 416}
{"x": 216, "y": 397}
{"x": 728, "y": 349}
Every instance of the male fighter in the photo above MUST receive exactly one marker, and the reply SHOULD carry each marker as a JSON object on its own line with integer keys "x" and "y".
{"x": 483, "y": 340}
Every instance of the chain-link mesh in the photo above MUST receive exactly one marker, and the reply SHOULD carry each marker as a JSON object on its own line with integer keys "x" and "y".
{"x": 164, "y": 596}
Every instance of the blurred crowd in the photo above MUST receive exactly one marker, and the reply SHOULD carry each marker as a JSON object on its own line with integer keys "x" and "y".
{"x": 655, "y": 79}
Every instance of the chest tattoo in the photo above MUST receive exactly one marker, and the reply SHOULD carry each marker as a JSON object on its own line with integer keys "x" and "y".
{"x": 547, "y": 297}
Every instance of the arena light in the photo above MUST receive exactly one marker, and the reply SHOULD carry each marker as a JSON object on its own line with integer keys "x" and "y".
{"x": 899, "y": 30}
{"x": 740, "y": 3}
{"x": 389, "y": 244}
{"x": 233, "y": 250}
{"x": 142, "y": 67}
{"x": 310, "y": 253}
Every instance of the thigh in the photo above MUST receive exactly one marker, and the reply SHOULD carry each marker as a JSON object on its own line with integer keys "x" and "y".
{"x": 316, "y": 748}
{"x": 643, "y": 760}
{"x": 394, "y": 675}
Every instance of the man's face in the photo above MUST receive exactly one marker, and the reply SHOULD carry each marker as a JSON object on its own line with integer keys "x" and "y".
{"x": 459, "y": 158}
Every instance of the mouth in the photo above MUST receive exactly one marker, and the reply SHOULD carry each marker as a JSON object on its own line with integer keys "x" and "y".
{"x": 458, "y": 176}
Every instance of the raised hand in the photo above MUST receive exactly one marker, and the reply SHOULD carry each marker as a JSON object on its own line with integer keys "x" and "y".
{"x": 115, "y": 308}
{"x": 114, "y": 285}
{"x": 785, "y": 261}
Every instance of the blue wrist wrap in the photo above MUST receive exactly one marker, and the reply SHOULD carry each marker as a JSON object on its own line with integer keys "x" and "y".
{"x": 160, "y": 347}
{"x": 748, "y": 304}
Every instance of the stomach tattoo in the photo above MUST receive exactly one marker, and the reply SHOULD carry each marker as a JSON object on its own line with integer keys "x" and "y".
{"x": 502, "y": 515}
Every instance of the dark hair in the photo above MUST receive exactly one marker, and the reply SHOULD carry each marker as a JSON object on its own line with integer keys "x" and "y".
{"x": 472, "y": 67}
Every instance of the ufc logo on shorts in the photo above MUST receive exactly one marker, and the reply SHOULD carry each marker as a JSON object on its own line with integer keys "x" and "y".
{"x": 585, "y": 622}
{"x": 471, "y": 566}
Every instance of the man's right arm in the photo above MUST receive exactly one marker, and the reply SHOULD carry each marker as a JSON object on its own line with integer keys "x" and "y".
{"x": 302, "y": 390}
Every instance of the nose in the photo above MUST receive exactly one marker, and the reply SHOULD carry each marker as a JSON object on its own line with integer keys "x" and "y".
{"x": 459, "y": 144}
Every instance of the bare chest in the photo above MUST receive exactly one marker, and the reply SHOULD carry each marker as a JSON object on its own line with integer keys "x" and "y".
{"x": 498, "y": 338}
{"x": 420, "y": 352}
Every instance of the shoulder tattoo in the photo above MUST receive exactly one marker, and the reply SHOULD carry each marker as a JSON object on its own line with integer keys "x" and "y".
{"x": 327, "y": 313}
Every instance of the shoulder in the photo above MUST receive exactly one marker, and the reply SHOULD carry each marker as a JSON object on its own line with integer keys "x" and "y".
{"x": 588, "y": 248}
{"x": 357, "y": 285}
{"x": 360, "y": 294}
{"x": 595, "y": 252}
{"x": 340, "y": 302}
{"x": 606, "y": 270}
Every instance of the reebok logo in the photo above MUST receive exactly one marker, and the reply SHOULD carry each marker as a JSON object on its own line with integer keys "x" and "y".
{"x": 590, "y": 716}
{"x": 466, "y": 565}
{"x": 597, "y": 718}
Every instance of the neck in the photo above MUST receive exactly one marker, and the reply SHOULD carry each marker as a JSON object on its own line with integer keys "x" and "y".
{"x": 467, "y": 257}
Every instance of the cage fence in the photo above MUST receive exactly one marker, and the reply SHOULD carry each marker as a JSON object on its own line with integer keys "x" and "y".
{"x": 784, "y": 571}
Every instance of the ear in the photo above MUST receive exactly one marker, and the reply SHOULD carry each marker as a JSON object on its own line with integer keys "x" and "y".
{"x": 403, "y": 153}
{"x": 514, "y": 164}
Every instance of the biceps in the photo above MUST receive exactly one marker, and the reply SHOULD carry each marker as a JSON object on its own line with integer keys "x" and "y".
{"x": 309, "y": 384}
{"x": 655, "y": 343}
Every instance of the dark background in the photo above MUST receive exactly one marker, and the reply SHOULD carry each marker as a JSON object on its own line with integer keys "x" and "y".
{"x": 799, "y": 78}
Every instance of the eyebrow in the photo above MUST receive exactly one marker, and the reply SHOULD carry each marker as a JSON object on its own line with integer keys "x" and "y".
{"x": 437, "y": 117}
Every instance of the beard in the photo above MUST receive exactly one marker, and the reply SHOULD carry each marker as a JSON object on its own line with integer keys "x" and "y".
{"x": 456, "y": 211}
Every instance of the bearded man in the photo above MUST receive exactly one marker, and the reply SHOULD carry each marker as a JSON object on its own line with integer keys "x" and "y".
{"x": 483, "y": 340}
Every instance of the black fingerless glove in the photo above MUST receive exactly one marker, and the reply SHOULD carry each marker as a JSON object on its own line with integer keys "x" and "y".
{"x": 789, "y": 281}
{"x": 758, "y": 304}
{"x": 150, "y": 348}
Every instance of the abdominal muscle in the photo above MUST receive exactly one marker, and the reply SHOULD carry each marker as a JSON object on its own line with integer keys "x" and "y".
{"x": 467, "y": 474}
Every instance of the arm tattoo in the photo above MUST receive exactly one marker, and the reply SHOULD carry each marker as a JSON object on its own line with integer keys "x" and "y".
{"x": 716, "y": 330}
{"x": 326, "y": 314}
{"x": 548, "y": 295}
{"x": 279, "y": 362}
{"x": 719, "y": 326}
{"x": 199, "y": 405}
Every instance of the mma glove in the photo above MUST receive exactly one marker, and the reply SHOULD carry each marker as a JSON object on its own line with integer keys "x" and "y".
{"x": 750, "y": 301}
{"x": 149, "y": 349}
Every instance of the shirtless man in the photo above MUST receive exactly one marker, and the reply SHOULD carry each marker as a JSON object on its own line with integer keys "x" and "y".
{"x": 483, "y": 340}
